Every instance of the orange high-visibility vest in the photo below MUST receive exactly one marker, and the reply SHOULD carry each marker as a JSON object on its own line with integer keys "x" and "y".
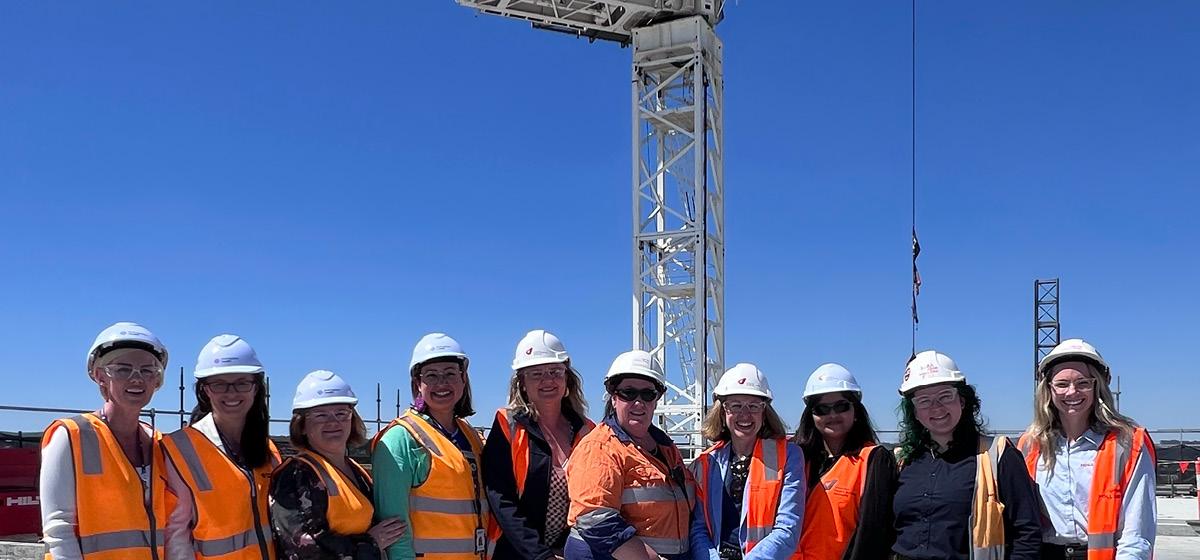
{"x": 518, "y": 439}
{"x": 655, "y": 498}
{"x": 831, "y": 512}
{"x": 1115, "y": 462}
{"x": 764, "y": 484}
{"x": 448, "y": 513}
{"x": 230, "y": 503}
{"x": 113, "y": 521}
{"x": 349, "y": 511}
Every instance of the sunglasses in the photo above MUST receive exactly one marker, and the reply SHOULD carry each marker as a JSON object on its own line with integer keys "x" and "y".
{"x": 629, "y": 394}
{"x": 837, "y": 408}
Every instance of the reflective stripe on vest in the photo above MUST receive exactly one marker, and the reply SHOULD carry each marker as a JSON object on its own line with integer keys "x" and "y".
{"x": 764, "y": 484}
{"x": 230, "y": 504}
{"x": 1115, "y": 461}
{"x": 113, "y": 520}
{"x": 349, "y": 511}
{"x": 447, "y": 512}
{"x": 518, "y": 440}
{"x": 831, "y": 511}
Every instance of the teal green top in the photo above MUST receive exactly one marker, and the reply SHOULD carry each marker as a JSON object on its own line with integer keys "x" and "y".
{"x": 398, "y": 465}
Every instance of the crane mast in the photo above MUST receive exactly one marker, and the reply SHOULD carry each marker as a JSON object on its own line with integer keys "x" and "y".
{"x": 678, "y": 268}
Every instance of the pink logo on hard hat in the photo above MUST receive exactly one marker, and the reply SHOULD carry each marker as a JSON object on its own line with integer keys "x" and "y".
{"x": 742, "y": 381}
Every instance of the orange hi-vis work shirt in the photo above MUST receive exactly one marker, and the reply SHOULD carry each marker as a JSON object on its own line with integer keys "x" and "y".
{"x": 831, "y": 514}
{"x": 349, "y": 511}
{"x": 115, "y": 520}
{"x": 518, "y": 438}
{"x": 615, "y": 484}
{"x": 448, "y": 513}
{"x": 764, "y": 485}
{"x": 1115, "y": 462}
{"x": 231, "y": 520}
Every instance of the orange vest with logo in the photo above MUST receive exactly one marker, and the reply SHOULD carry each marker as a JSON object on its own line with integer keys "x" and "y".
{"x": 113, "y": 520}
{"x": 349, "y": 511}
{"x": 764, "y": 484}
{"x": 231, "y": 504}
{"x": 831, "y": 512}
{"x": 518, "y": 439}
{"x": 448, "y": 513}
{"x": 1115, "y": 462}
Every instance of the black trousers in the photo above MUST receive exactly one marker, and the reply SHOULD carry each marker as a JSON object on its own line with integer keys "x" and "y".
{"x": 1064, "y": 552}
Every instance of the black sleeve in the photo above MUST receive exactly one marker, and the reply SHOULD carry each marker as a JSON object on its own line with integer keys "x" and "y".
{"x": 501, "y": 488}
{"x": 1022, "y": 517}
{"x": 875, "y": 534}
{"x": 298, "y": 519}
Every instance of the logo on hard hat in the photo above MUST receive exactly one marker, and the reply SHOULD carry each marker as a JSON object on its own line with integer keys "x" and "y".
{"x": 529, "y": 351}
{"x": 907, "y": 374}
{"x": 742, "y": 381}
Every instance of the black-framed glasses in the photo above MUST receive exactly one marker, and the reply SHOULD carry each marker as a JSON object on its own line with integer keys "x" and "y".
{"x": 243, "y": 386}
{"x": 125, "y": 372}
{"x": 839, "y": 407}
{"x": 629, "y": 394}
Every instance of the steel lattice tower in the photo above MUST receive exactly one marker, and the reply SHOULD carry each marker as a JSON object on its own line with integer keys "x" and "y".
{"x": 1045, "y": 320}
{"x": 678, "y": 183}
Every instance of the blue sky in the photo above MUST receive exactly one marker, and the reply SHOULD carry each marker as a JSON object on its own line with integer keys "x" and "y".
{"x": 331, "y": 181}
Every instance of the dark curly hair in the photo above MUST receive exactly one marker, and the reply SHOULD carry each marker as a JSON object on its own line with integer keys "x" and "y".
{"x": 915, "y": 438}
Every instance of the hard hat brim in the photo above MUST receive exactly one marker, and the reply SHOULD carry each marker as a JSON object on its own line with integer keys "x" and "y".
{"x": 828, "y": 390}
{"x": 747, "y": 392}
{"x": 313, "y": 403}
{"x": 211, "y": 372}
{"x": 647, "y": 376}
{"x": 538, "y": 362}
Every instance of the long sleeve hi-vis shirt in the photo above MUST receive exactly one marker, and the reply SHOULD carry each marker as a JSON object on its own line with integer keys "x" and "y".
{"x": 619, "y": 491}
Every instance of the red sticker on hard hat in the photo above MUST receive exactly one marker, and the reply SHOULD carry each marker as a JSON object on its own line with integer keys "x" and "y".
{"x": 742, "y": 381}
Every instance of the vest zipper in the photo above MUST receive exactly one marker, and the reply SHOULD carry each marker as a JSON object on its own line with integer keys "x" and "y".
{"x": 262, "y": 543}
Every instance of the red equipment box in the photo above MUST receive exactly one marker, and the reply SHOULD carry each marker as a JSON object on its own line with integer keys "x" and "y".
{"x": 20, "y": 512}
{"x": 19, "y": 468}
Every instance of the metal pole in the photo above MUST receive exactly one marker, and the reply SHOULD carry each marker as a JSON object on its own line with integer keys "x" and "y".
{"x": 181, "y": 394}
{"x": 378, "y": 403}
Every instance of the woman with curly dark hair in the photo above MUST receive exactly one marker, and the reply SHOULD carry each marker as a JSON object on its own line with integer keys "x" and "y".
{"x": 962, "y": 494}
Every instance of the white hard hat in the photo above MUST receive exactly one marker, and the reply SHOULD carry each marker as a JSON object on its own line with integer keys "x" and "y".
{"x": 637, "y": 362}
{"x": 537, "y": 348}
{"x": 930, "y": 368}
{"x": 126, "y": 335}
{"x": 436, "y": 345}
{"x": 743, "y": 379}
{"x": 1074, "y": 349}
{"x": 831, "y": 378}
{"x": 322, "y": 387}
{"x": 227, "y": 353}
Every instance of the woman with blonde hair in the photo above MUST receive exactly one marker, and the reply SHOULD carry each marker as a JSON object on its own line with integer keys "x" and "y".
{"x": 527, "y": 451}
{"x": 1094, "y": 467}
{"x": 101, "y": 484}
{"x": 750, "y": 486}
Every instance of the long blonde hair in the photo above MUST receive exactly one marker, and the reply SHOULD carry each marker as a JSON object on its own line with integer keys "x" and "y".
{"x": 518, "y": 401}
{"x": 1047, "y": 426}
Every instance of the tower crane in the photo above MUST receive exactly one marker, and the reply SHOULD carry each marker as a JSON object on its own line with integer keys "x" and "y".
{"x": 678, "y": 183}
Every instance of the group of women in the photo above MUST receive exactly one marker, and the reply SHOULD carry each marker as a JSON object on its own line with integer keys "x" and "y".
{"x": 548, "y": 483}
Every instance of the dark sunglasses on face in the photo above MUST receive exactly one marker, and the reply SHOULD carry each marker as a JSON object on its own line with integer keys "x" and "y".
{"x": 628, "y": 394}
{"x": 837, "y": 407}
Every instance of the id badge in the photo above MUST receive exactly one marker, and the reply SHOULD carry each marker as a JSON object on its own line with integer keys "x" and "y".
{"x": 480, "y": 540}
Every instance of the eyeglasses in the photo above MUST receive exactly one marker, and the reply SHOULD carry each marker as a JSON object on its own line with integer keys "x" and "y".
{"x": 448, "y": 377}
{"x": 628, "y": 394}
{"x": 1081, "y": 385}
{"x": 324, "y": 416}
{"x": 945, "y": 398}
{"x": 540, "y": 374}
{"x": 740, "y": 407}
{"x": 125, "y": 372}
{"x": 839, "y": 407}
{"x": 243, "y": 386}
